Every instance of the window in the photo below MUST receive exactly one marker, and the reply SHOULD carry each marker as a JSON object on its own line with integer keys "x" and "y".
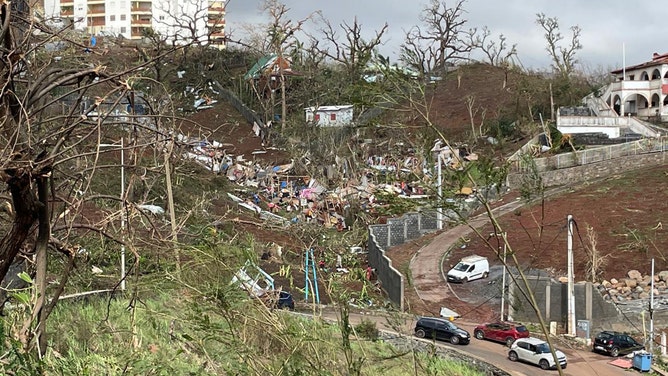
{"x": 124, "y": 30}
{"x": 122, "y": 17}
{"x": 161, "y": 18}
{"x": 332, "y": 117}
{"x": 112, "y": 17}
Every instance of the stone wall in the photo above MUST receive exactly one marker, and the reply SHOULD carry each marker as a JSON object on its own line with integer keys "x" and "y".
{"x": 403, "y": 343}
{"x": 593, "y": 171}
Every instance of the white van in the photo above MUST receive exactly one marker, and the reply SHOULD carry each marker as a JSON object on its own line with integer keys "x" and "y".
{"x": 469, "y": 269}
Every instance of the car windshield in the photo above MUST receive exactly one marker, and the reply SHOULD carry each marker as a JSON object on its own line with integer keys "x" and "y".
{"x": 461, "y": 267}
{"x": 542, "y": 348}
{"x": 521, "y": 328}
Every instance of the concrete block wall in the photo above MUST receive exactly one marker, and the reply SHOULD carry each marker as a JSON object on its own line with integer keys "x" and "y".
{"x": 551, "y": 297}
{"x": 396, "y": 232}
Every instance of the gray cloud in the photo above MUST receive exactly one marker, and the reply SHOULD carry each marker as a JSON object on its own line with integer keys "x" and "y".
{"x": 606, "y": 25}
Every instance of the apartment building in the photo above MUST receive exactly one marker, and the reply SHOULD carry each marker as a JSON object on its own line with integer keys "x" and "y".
{"x": 181, "y": 20}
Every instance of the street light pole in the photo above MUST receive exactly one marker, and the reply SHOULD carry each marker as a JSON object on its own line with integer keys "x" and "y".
{"x": 122, "y": 216}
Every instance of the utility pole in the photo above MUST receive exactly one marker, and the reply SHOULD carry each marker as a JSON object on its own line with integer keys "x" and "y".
{"x": 571, "y": 295}
{"x": 440, "y": 193}
{"x": 122, "y": 216}
{"x": 651, "y": 312}
{"x": 503, "y": 279}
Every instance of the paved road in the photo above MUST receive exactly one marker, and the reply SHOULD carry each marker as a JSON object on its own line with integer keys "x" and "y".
{"x": 431, "y": 286}
{"x": 580, "y": 362}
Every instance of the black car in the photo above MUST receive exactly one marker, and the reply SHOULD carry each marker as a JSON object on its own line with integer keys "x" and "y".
{"x": 615, "y": 343}
{"x": 436, "y": 328}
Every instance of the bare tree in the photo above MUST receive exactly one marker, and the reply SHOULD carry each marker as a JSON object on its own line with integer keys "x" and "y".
{"x": 498, "y": 54}
{"x": 280, "y": 38}
{"x": 50, "y": 131}
{"x": 441, "y": 41}
{"x": 354, "y": 52}
{"x": 563, "y": 57}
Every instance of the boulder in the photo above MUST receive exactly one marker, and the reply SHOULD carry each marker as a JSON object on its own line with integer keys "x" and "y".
{"x": 631, "y": 282}
{"x": 614, "y": 281}
{"x": 563, "y": 279}
{"x": 634, "y": 274}
{"x": 606, "y": 284}
{"x": 663, "y": 275}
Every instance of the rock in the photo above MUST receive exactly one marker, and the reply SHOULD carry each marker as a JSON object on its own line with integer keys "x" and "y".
{"x": 606, "y": 284}
{"x": 639, "y": 289}
{"x": 634, "y": 274}
{"x": 643, "y": 295}
{"x": 663, "y": 275}
{"x": 563, "y": 279}
{"x": 631, "y": 282}
{"x": 614, "y": 281}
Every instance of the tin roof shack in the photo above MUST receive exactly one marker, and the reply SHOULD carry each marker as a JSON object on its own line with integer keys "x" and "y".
{"x": 266, "y": 74}
{"x": 330, "y": 116}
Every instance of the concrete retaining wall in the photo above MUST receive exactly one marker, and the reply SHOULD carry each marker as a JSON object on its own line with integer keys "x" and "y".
{"x": 579, "y": 174}
{"x": 551, "y": 298}
{"x": 397, "y": 231}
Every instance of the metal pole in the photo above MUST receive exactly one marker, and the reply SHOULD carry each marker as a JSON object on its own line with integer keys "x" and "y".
{"x": 122, "y": 216}
{"x": 440, "y": 192}
{"x": 571, "y": 297}
{"x": 503, "y": 279}
{"x": 651, "y": 313}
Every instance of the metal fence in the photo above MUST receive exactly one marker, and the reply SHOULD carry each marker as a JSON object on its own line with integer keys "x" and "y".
{"x": 593, "y": 155}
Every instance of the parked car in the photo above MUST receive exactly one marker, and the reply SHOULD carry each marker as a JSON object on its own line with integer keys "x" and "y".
{"x": 468, "y": 269}
{"x": 441, "y": 329}
{"x": 502, "y": 331}
{"x": 615, "y": 343}
{"x": 536, "y": 351}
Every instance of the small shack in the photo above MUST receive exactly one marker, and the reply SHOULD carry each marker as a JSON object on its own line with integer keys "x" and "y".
{"x": 330, "y": 116}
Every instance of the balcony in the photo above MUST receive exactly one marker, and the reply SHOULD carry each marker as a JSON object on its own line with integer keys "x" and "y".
{"x": 141, "y": 10}
{"x": 67, "y": 12}
{"x": 140, "y": 23}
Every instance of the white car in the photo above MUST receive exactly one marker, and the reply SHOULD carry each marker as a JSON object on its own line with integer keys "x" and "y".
{"x": 536, "y": 351}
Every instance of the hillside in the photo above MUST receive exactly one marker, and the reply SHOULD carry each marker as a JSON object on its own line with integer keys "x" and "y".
{"x": 625, "y": 212}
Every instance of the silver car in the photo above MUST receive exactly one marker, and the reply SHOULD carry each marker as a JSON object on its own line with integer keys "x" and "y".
{"x": 536, "y": 351}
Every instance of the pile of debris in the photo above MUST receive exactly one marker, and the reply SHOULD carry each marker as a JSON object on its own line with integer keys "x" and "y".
{"x": 635, "y": 286}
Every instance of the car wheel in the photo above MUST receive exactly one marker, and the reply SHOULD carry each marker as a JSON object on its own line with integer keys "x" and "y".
{"x": 509, "y": 341}
{"x": 485, "y": 275}
{"x": 479, "y": 334}
{"x": 454, "y": 340}
{"x": 544, "y": 364}
{"x": 512, "y": 356}
{"x": 614, "y": 351}
{"x": 420, "y": 333}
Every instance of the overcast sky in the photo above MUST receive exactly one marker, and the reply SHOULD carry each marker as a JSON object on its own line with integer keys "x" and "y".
{"x": 613, "y": 31}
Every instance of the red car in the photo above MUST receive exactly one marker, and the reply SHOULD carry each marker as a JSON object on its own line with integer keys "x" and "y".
{"x": 506, "y": 332}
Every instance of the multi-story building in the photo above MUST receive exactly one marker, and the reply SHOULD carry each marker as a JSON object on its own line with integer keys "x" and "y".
{"x": 181, "y": 20}
{"x": 641, "y": 90}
